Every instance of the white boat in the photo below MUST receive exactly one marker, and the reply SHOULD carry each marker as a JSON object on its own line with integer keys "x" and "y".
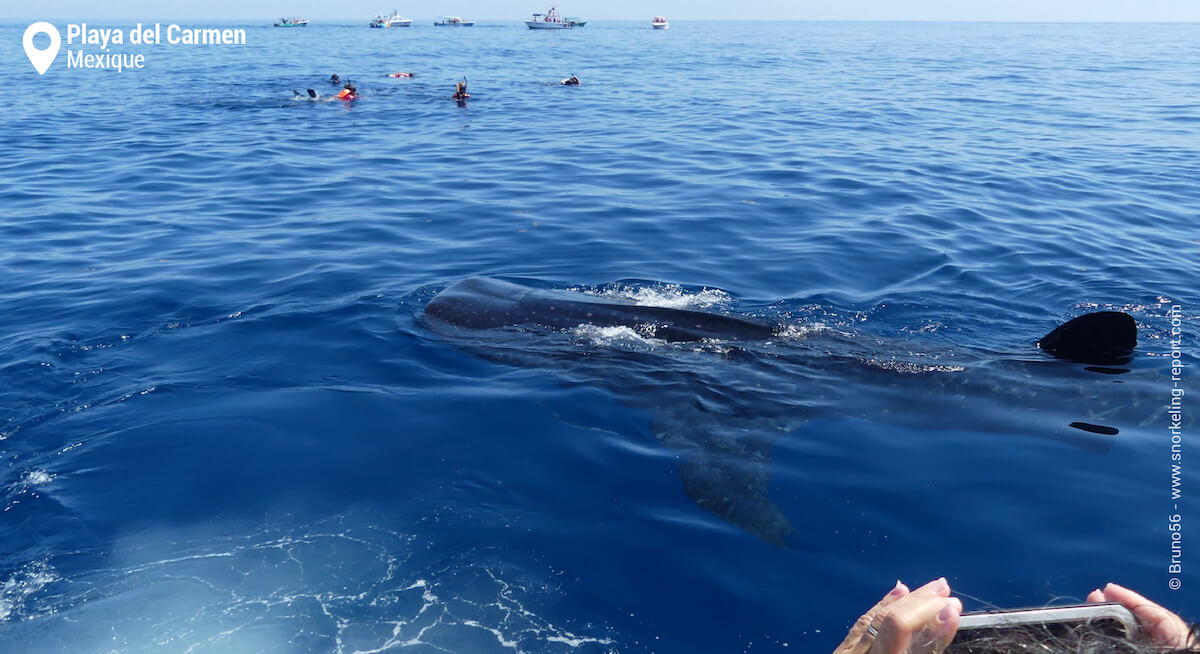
{"x": 550, "y": 21}
{"x": 453, "y": 21}
{"x": 396, "y": 21}
{"x": 660, "y": 23}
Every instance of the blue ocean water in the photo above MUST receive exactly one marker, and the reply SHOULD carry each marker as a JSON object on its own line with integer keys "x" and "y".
{"x": 226, "y": 426}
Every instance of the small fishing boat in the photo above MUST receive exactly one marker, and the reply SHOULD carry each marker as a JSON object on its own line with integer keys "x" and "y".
{"x": 378, "y": 22}
{"x": 453, "y": 21}
{"x": 659, "y": 22}
{"x": 292, "y": 22}
{"x": 552, "y": 21}
{"x": 575, "y": 21}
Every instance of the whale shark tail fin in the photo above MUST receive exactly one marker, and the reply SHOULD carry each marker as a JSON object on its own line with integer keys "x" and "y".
{"x": 1100, "y": 338}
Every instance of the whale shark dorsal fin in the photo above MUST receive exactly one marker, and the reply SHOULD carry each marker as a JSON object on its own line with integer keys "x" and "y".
{"x": 1102, "y": 338}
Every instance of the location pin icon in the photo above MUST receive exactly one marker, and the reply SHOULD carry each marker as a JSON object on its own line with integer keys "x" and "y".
{"x": 41, "y": 59}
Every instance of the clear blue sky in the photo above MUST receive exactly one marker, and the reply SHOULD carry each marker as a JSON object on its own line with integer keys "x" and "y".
{"x": 357, "y": 10}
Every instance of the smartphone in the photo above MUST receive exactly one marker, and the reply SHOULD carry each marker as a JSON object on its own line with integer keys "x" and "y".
{"x": 1042, "y": 623}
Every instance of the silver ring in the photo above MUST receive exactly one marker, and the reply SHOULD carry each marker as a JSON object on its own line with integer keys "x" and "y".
{"x": 872, "y": 631}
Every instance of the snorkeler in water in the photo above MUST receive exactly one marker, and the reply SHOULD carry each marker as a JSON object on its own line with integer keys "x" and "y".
{"x": 401, "y": 75}
{"x": 460, "y": 91}
{"x": 334, "y": 79}
{"x": 571, "y": 81}
{"x": 349, "y": 92}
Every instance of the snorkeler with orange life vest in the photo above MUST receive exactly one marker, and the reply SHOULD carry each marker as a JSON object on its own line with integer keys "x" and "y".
{"x": 348, "y": 93}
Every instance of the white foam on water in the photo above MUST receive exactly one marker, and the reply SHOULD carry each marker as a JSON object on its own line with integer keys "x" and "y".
{"x": 670, "y": 296}
{"x": 37, "y": 478}
{"x": 711, "y": 346}
{"x": 793, "y": 331}
{"x": 21, "y": 586}
{"x": 912, "y": 367}
{"x": 616, "y": 336}
{"x": 331, "y": 588}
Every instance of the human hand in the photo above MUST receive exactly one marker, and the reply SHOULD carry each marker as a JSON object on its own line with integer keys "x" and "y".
{"x": 1164, "y": 628}
{"x": 922, "y": 621}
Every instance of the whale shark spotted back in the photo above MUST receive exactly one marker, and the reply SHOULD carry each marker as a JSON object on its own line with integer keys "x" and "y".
{"x": 485, "y": 303}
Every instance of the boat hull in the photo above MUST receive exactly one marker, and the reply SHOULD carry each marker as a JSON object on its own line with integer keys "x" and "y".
{"x": 661, "y": 26}
{"x": 465, "y": 23}
{"x": 542, "y": 25}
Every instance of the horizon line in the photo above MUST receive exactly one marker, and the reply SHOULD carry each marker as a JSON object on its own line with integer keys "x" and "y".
{"x": 355, "y": 21}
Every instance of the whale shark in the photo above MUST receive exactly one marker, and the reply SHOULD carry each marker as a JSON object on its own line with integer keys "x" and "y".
{"x": 722, "y": 388}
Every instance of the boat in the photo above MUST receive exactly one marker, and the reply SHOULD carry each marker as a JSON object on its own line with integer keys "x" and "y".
{"x": 453, "y": 21}
{"x": 292, "y": 22}
{"x": 394, "y": 20}
{"x": 552, "y": 21}
{"x": 659, "y": 22}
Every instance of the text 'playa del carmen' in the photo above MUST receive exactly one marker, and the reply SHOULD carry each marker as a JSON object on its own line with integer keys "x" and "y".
{"x": 86, "y": 38}
{"x": 175, "y": 35}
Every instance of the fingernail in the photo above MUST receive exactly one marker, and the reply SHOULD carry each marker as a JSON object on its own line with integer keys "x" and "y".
{"x": 897, "y": 590}
{"x": 943, "y": 616}
{"x": 938, "y": 585}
